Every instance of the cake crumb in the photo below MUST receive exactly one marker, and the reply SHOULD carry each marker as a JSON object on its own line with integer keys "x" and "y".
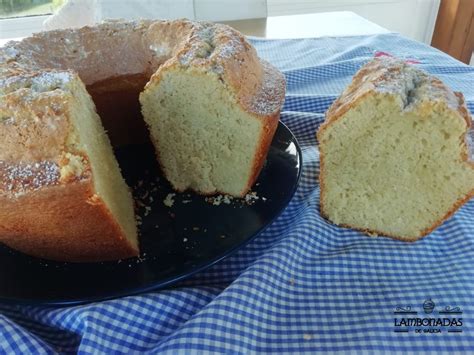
{"x": 141, "y": 258}
{"x": 186, "y": 201}
{"x": 292, "y": 281}
{"x": 185, "y": 240}
{"x": 138, "y": 219}
{"x": 219, "y": 199}
{"x": 147, "y": 210}
{"x": 251, "y": 198}
{"x": 307, "y": 336}
{"x": 169, "y": 200}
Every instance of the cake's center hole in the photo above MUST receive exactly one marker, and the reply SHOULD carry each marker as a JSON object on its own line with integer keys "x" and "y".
{"x": 116, "y": 101}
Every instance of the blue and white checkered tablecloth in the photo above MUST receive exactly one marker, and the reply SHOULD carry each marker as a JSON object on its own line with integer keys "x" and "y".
{"x": 303, "y": 285}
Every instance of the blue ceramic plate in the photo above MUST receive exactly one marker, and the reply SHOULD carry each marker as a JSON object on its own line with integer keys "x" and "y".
{"x": 176, "y": 242}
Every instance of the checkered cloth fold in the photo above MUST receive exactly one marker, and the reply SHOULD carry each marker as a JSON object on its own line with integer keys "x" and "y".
{"x": 303, "y": 285}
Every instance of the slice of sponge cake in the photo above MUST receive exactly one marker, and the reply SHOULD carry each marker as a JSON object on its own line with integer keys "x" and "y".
{"x": 394, "y": 158}
{"x": 212, "y": 111}
{"x": 62, "y": 195}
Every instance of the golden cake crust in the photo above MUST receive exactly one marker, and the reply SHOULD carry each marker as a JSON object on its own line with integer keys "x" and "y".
{"x": 151, "y": 46}
{"x": 385, "y": 75}
{"x": 389, "y": 76}
{"x": 63, "y": 222}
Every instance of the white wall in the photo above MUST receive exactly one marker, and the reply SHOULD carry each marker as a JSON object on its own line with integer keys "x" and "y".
{"x": 133, "y": 9}
{"x": 412, "y": 18}
{"x": 212, "y": 10}
{"x": 228, "y": 10}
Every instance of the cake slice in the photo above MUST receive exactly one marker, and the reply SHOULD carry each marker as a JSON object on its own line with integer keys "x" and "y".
{"x": 62, "y": 195}
{"x": 393, "y": 154}
{"x": 212, "y": 111}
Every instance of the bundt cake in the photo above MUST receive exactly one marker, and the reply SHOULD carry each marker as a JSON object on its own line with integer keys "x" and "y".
{"x": 211, "y": 106}
{"x": 393, "y": 154}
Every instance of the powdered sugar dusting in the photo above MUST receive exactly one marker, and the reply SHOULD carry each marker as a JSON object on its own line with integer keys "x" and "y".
{"x": 47, "y": 81}
{"x": 185, "y": 58}
{"x": 393, "y": 76}
{"x": 19, "y": 178}
{"x": 11, "y": 51}
{"x": 41, "y": 82}
{"x": 270, "y": 97}
{"x": 205, "y": 44}
{"x": 201, "y": 45}
{"x": 229, "y": 48}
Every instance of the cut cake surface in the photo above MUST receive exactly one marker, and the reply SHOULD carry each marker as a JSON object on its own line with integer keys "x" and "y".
{"x": 393, "y": 154}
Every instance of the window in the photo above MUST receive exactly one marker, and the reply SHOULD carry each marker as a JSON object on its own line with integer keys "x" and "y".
{"x": 23, "y": 8}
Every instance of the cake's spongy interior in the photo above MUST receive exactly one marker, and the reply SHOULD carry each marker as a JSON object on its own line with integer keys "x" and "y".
{"x": 393, "y": 171}
{"x": 90, "y": 137}
{"x": 204, "y": 140}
